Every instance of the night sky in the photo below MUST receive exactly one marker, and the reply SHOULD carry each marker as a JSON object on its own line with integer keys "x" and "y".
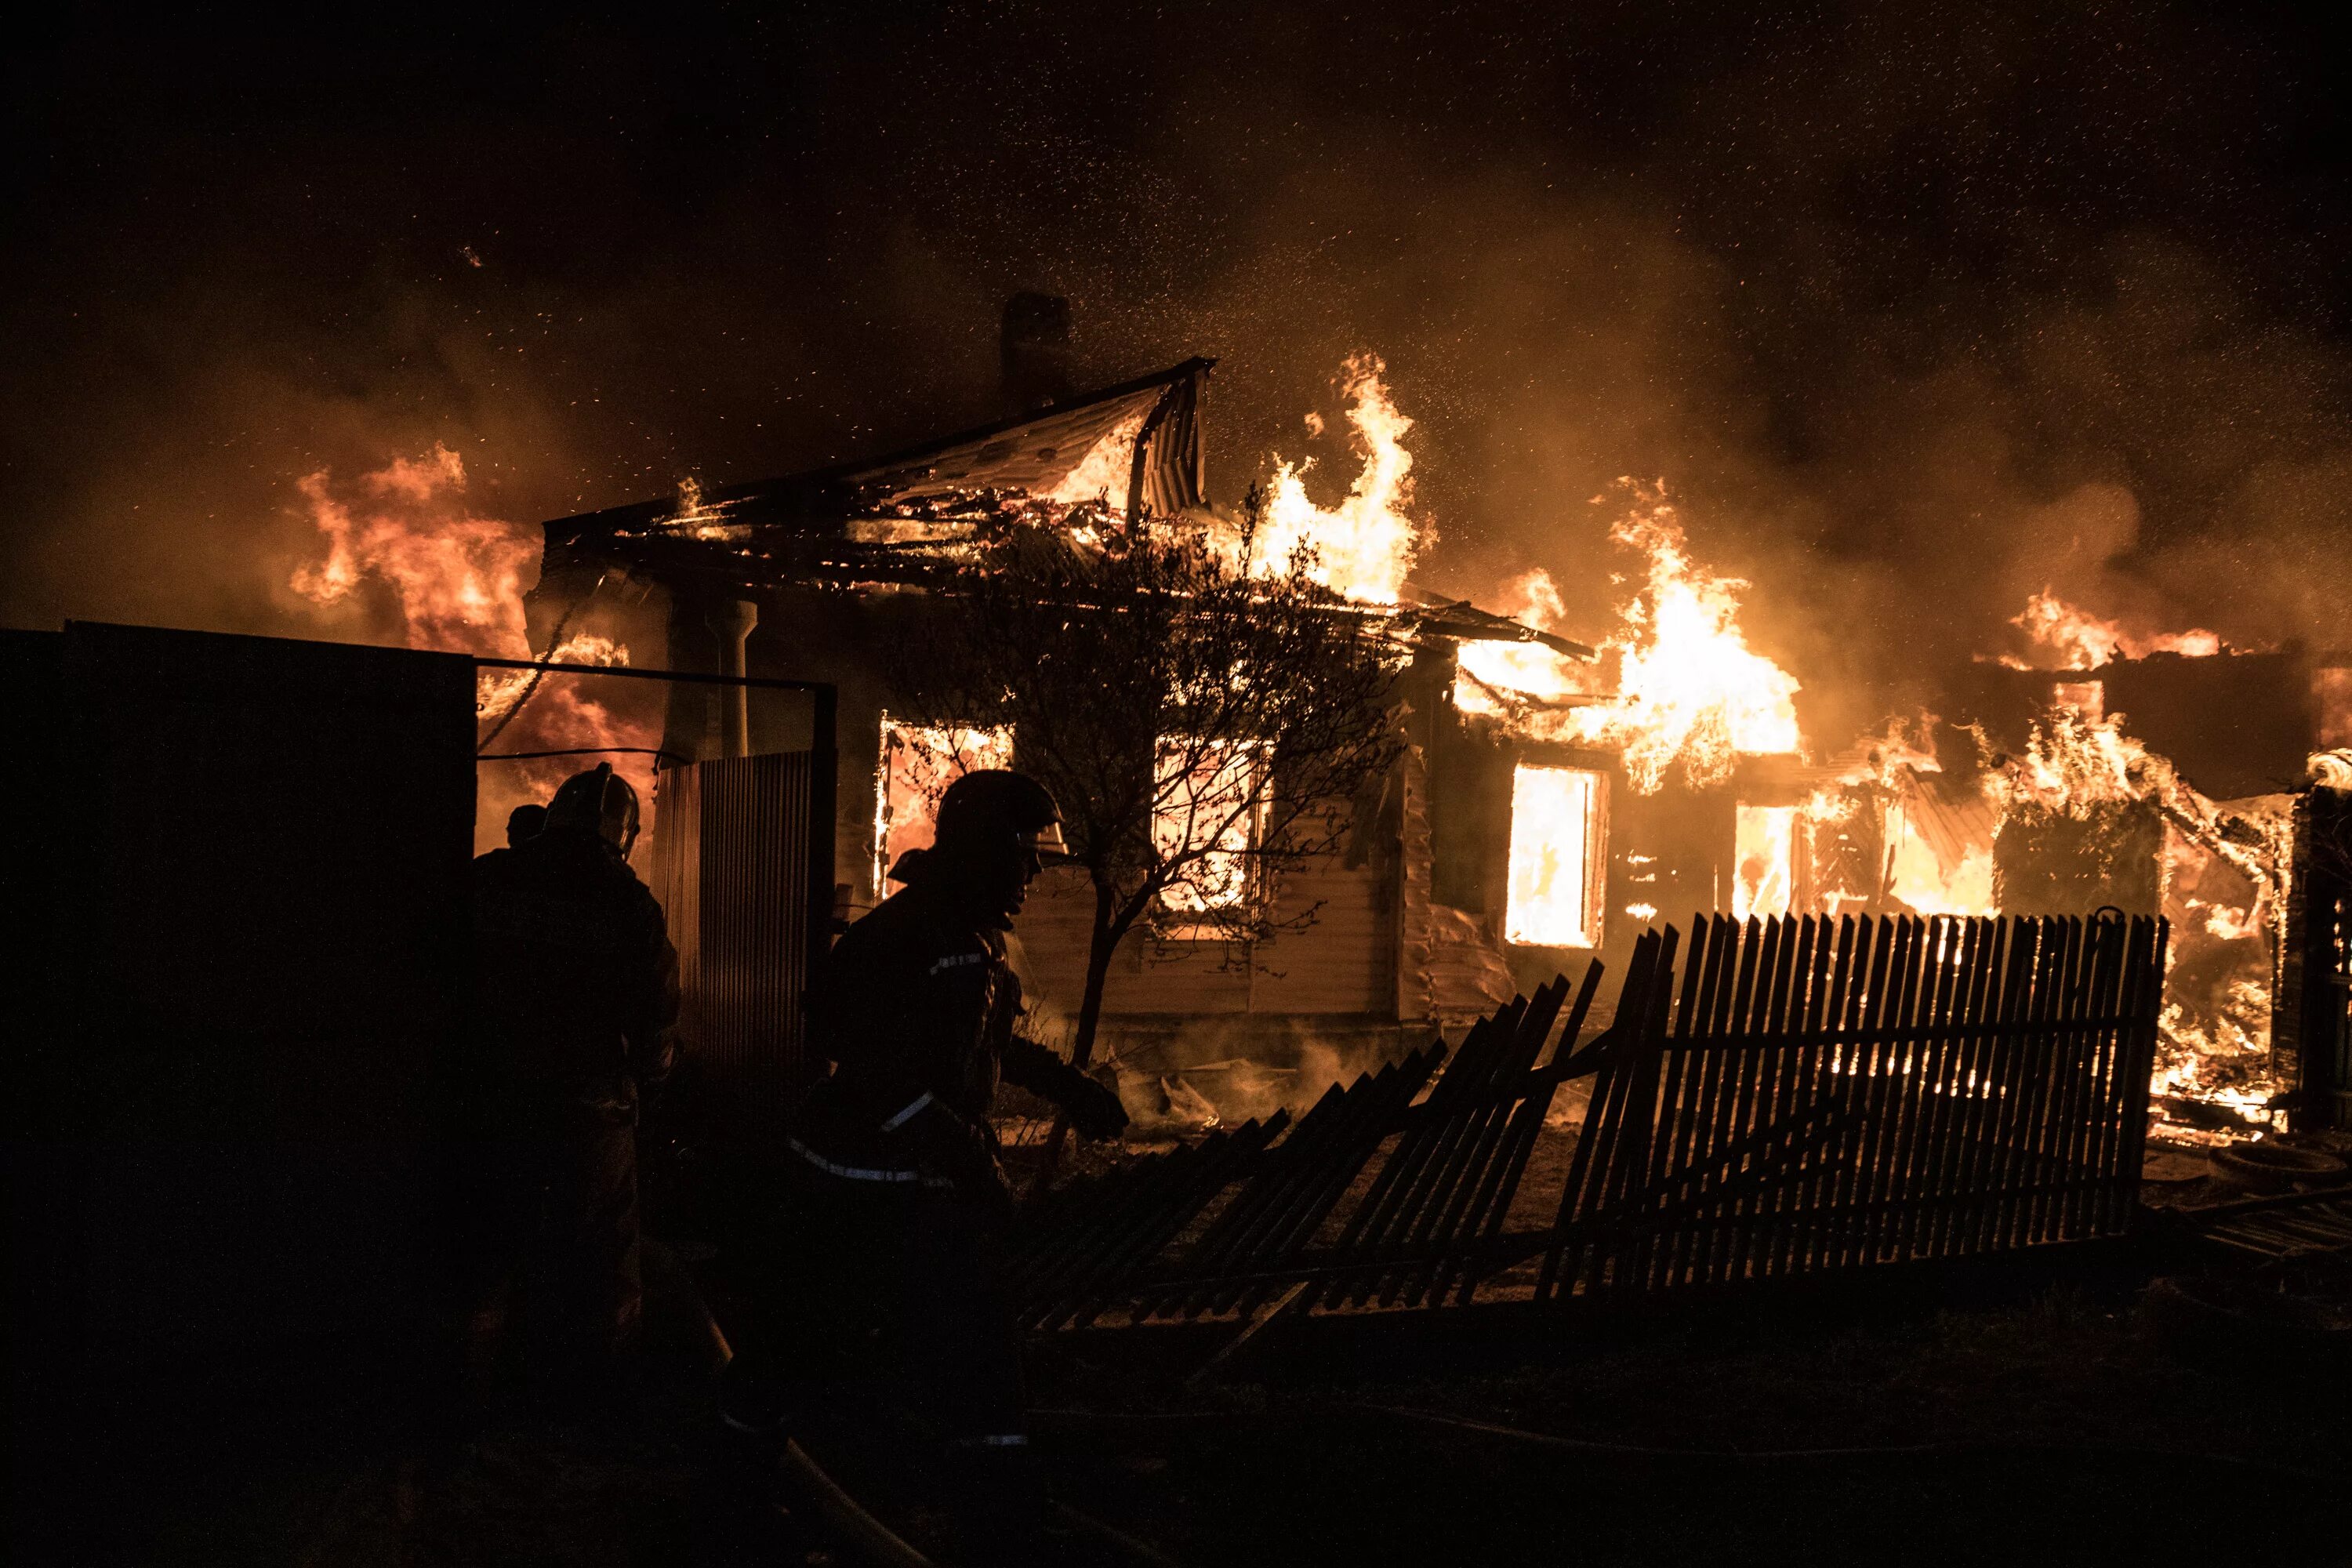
{"x": 1918, "y": 307}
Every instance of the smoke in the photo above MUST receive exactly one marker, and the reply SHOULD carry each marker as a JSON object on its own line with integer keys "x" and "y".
{"x": 1915, "y": 313}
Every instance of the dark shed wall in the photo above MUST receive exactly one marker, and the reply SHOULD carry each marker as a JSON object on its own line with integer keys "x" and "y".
{"x": 2234, "y": 724}
{"x": 257, "y": 889}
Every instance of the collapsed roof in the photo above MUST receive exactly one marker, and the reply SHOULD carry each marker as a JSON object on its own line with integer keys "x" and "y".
{"x": 1130, "y": 450}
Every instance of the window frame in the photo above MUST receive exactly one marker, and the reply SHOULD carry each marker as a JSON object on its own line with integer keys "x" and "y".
{"x": 889, "y": 729}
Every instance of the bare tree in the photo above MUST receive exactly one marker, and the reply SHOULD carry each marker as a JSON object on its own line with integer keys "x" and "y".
{"x": 1205, "y": 729}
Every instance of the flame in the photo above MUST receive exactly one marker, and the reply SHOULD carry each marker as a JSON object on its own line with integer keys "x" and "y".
{"x": 2224, "y": 886}
{"x": 697, "y": 516}
{"x": 2222, "y": 1058}
{"x": 917, "y": 763}
{"x": 1764, "y": 851}
{"x": 1209, "y": 802}
{"x": 2081, "y": 640}
{"x": 1934, "y": 841}
{"x": 1505, "y": 677}
{"x": 458, "y": 579}
{"x": 1365, "y": 547}
{"x": 2072, "y": 762}
{"x": 1906, "y": 747}
{"x": 1105, "y": 472}
{"x": 1691, "y": 693}
{"x": 1919, "y": 877}
{"x": 498, "y": 691}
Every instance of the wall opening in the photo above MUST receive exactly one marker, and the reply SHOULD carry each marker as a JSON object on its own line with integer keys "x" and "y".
{"x": 1210, "y": 799}
{"x": 1764, "y": 853}
{"x": 1555, "y": 870}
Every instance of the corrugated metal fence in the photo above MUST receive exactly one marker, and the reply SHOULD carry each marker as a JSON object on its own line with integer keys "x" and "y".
{"x": 735, "y": 858}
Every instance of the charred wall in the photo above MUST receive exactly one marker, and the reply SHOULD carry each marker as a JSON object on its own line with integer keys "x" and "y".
{"x": 2234, "y": 724}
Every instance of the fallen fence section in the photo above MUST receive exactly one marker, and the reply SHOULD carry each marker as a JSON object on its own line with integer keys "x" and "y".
{"x": 2276, "y": 1229}
{"x": 1809, "y": 1095}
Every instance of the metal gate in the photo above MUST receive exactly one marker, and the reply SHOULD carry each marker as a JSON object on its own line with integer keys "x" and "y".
{"x": 742, "y": 862}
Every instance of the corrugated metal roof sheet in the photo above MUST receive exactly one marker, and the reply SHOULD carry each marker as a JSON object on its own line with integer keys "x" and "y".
{"x": 1037, "y": 454}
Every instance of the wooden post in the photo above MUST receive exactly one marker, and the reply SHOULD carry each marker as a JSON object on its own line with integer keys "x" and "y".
{"x": 2309, "y": 1013}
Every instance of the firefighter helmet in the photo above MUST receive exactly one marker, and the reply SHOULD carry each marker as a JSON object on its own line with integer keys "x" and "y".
{"x": 994, "y": 806}
{"x": 601, "y": 802}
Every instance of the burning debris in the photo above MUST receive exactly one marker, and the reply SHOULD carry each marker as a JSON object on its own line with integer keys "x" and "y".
{"x": 2081, "y": 813}
{"x": 2078, "y": 639}
{"x": 2089, "y": 815}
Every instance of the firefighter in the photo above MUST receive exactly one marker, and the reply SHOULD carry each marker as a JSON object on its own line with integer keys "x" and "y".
{"x": 523, "y": 823}
{"x": 576, "y": 988}
{"x": 900, "y": 1198}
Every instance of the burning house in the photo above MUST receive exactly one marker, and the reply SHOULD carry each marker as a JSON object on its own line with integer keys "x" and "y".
{"x": 810, "y": 575}
{"x": 1551, "y": 799}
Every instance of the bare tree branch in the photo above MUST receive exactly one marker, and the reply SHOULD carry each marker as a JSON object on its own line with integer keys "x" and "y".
{"x": 1205, "y": 731}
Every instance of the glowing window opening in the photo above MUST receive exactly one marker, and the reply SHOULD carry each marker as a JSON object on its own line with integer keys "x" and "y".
{"x": 1555, "y": 893}
{"x": 1764, "y": 861}
{"x": 917, "y": 761}
{"x": 1211, "y": 797}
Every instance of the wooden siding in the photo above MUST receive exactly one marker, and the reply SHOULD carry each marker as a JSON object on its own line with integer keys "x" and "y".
{"x": 1344, "y": 963}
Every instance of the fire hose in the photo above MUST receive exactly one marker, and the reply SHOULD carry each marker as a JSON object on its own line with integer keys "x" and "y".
{"x": 863, "y": 1534}
{"x": 868, "y": 1537}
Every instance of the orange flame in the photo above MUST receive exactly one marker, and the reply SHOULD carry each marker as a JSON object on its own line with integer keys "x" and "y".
{"x": 1364, "y": 547}
{"x": 458, "y": 580}
{"x": 458, "y": 577}
{"x": 1926, "y": 881}
{"x": 1691, "y": 693}
{"x": 2224, "y": 882}
{"x": 1553, "y": 900}
{"x": 2081, "y": 640}
{"x": 2072, "y": 762}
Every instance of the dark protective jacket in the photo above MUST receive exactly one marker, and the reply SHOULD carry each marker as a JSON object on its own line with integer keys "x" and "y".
{"x": 576, "y": 982}
{"x": 917, "y": 1011}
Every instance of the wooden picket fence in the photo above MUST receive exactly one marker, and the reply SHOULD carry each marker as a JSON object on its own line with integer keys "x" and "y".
{"x": 1801, "y": 1096}
{"x": 1824, "y": 1095}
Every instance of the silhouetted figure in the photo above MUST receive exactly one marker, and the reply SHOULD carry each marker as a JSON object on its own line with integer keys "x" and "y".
{"x": 900, "y": 1202}
{"x": 524, "y": 821}
{"x": 576, "y": 989}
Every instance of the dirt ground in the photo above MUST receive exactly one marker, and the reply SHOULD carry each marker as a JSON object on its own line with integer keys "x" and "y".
{"x": 2056, "y": 1415}
{"x": 2062, "y": 1424}
{"x": 2068, "y": 1424}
